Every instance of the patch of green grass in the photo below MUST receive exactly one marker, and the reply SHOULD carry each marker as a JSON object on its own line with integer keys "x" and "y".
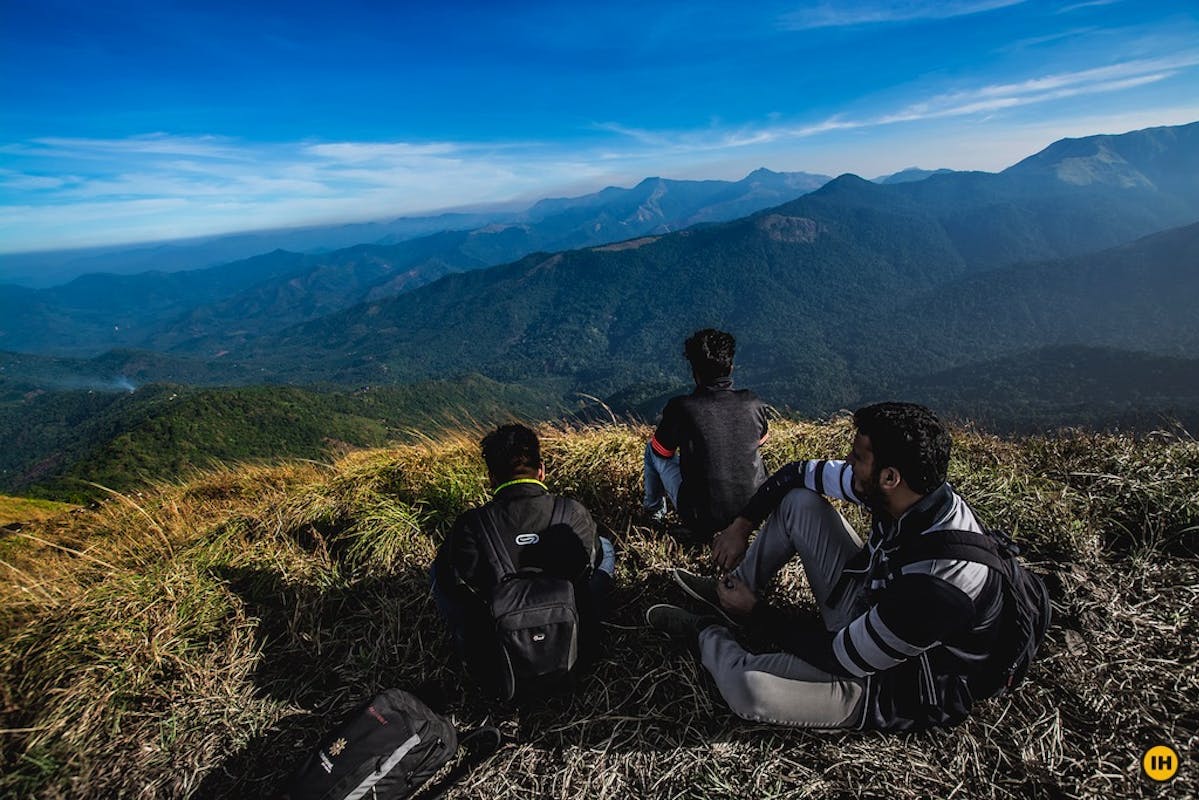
{"x": 26, "y": 509}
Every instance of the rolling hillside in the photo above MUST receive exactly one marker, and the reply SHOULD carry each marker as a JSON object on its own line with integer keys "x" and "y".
{"x": 58, "y": 443}
{"x": 811, "y": 288}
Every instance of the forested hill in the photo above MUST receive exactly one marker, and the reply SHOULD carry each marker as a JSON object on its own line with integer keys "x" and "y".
{"x": 211, "y": 311}
{"x": 987, "y": 295}
{"x": 59, "y": 443}
{"x": 804, "y": 286}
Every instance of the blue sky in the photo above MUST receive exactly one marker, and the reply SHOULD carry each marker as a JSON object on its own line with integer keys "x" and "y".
{"x": 134, "y": 121}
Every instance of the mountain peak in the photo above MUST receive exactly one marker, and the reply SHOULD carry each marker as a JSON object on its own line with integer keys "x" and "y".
{"x": 1142, "y": 158}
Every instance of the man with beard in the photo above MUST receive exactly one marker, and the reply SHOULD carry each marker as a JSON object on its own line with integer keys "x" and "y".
{"x": 904, "y": 636}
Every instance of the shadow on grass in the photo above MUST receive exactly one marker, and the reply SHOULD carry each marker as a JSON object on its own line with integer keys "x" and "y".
{"x": 325, "y": 649}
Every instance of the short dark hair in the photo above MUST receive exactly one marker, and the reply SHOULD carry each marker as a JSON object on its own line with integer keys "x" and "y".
{"x": 510, "y": 450}
{"x": 711, "y": 353}
{"x": 908, "y": 437}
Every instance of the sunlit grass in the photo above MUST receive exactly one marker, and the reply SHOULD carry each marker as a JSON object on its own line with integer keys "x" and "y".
{"x": 194, "y": 638}
{"x": 25, "y": 509}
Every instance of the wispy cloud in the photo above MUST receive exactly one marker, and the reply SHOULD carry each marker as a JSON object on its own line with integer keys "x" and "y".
{"x": 57, "y": 192}
{"x": 1036, "y": 41}
{"x": 840, "y": 15}
{"x": 963, "y": 102}
{"x": 153, "y": 144}
{"x": 61, "y": 191}
{"x": 1115, "y": 77}
{"x": 1086, "y": 4}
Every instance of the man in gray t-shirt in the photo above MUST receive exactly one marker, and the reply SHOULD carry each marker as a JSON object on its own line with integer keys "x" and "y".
{"x": 704, "y": 454}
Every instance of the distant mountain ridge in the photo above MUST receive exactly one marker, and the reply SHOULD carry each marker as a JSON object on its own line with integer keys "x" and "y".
{"x": 212, "y": 310}
{"x": 790, "y": 281}
{"x": 910, "y": 174}
{"x": 832, "y": 295}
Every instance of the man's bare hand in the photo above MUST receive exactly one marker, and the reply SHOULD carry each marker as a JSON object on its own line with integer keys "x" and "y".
{"x": 729, "y": 546}
{"x": 735, "y": 596}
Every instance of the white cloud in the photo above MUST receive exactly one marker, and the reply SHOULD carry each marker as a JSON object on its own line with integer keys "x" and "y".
{"x": 149, "y": 144}
{"x": 57, "y": 192}
{"x": 392, "y": 152}
{"x": 1086, "y": 4}
{"x": 839, "y": 15}
{"x": 962, "y": 102}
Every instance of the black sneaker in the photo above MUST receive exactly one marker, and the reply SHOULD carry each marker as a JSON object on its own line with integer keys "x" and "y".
{"x": 654, "y": 516}
{"x": 679, "y": 623}
{"x": 704, "y": 590}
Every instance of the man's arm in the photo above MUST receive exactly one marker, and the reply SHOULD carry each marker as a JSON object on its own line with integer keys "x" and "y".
{"x": 666, "y": 436}
{"x": 831, "y": 478}
{"x": 827, "y": 477}
{"x": 763, "y": 424}
{"x": 584, "y": 527}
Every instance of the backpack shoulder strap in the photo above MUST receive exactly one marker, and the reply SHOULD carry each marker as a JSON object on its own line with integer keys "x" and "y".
{"x": 959, "y": 545}
{"x": 479, "y": 744}
{"x": 558, "y": 514}
{"x": 558, "y": 517}
{"x": 494, "y": 542}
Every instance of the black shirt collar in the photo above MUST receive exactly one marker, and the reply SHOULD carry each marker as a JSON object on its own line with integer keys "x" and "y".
{"x": 926, "y": 511}
{"x": 723, "y": 384}
{"x": 520, "y": 487}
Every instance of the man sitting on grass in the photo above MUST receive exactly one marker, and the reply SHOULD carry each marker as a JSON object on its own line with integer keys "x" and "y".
{"x": 704, "y": 454}
{"x": 523, "y": 529}
{"x": 907, "y": 635}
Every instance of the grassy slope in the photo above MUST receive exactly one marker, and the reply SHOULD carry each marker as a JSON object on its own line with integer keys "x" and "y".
{"x": 194, "y": 640}
{"x": 25, "y": 509}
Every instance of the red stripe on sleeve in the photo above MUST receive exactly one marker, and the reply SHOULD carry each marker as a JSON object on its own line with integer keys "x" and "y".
{"x": 659, "y": 449}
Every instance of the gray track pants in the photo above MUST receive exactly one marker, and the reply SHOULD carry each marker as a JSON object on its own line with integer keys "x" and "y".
{"x": 780, "y": 687}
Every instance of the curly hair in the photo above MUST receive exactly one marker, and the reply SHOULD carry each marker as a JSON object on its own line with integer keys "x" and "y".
{"x": 908, "y": 437}
{"x": 711, "y": 354}
{"x": 511, "y": 450}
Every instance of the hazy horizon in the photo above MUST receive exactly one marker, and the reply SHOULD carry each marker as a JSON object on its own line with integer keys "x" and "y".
{"x": 137, "y": 123}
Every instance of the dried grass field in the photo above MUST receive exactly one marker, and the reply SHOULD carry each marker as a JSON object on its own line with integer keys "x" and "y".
{"x": 196, "y": 638}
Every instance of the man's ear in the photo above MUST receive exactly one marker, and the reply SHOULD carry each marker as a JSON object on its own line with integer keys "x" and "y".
{"x": 541, "y": 471}
{"x": 889, "y": 478}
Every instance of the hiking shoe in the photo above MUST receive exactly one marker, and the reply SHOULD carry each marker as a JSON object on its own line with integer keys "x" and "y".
{"x": 679, "y": 623}
{"x": 654, "y": 515}
{"x": 704, "y": 590}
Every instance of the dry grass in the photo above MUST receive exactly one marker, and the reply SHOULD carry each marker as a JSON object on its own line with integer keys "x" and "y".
{"x": 195, "y": 640}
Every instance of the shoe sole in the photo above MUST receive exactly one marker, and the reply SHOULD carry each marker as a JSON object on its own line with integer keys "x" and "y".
{"x": 649, "y": 611}
{"x": 720, "y": 612}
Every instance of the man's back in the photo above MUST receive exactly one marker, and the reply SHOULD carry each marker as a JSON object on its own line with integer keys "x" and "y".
{"x": 717, "y": 431}
{"x": 521, "y": 515}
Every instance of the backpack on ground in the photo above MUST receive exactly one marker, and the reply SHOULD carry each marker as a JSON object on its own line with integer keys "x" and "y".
{"x": 536, "y": 620}
{"x": 1026, "y": 607}
{"x": 385, "y": 750}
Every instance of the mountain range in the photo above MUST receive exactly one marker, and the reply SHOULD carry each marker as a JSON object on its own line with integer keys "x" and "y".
{"x": 209, "y": 310}
{"x": 805, "y": 284}
{"x": 1061, "y": 290}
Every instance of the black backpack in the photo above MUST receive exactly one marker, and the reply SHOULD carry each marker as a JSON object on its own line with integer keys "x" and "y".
{"x": 536, "y": 618}
{"x": 385, "y": 750}
{"x": 1026, "y": 607}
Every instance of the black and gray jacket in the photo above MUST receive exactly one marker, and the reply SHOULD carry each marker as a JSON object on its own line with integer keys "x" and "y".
{"x": 717, "y": 431}
{"x": 923, "y": 626}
